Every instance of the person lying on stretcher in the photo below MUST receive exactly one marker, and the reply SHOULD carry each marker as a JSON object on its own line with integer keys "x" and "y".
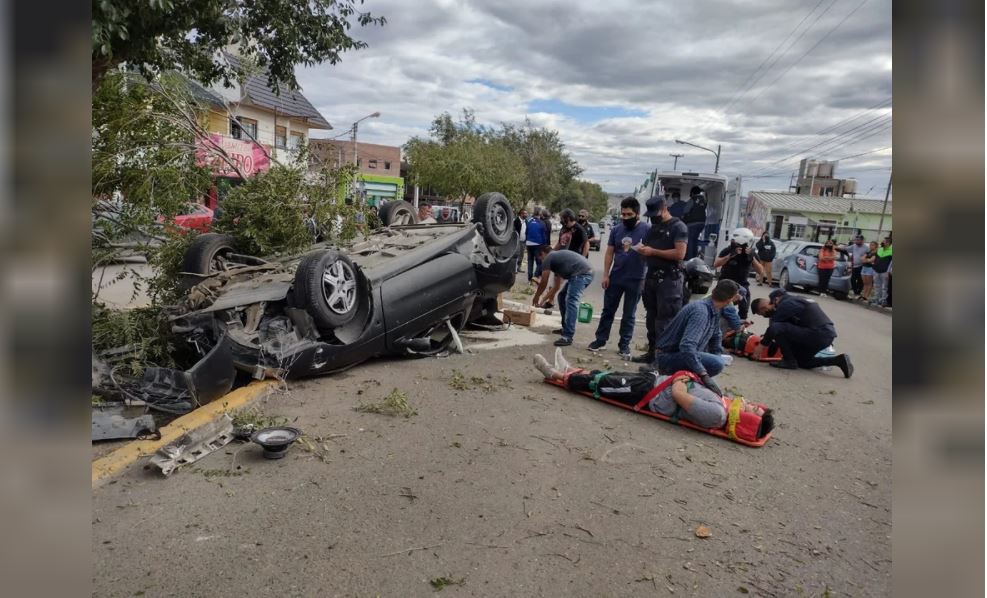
{"x": 695, "y": 402}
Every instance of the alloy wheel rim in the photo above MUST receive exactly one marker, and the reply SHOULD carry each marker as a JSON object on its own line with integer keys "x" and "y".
{"x": 339, "y": 287}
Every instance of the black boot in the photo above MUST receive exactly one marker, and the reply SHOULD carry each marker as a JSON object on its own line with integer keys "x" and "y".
{"x": 784, "y": 365}
{"x": 648, "y": 358}
{"x": 841, "y": 361}
{"x": 844, "y": 363}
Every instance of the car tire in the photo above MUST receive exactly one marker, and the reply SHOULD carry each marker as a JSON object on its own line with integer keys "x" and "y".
{"x": 201, "y": 256}
{"x": 784, "y": 282}
{"x": 496, "y": 217}
{"x": 327, "y": 286}
{"x": 398, "y": 213}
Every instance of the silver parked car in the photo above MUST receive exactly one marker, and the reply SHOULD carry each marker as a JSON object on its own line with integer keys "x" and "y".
{"x": 795, "y": 266}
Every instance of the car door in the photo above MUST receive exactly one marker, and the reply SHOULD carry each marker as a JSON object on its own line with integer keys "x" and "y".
{"x": 784, "y": 250}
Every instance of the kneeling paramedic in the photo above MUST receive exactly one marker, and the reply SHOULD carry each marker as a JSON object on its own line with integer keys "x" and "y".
{"x": 692, "y": 341}
{"x": 801, "y": 330}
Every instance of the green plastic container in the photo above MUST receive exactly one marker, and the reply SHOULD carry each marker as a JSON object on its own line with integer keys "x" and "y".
{"x": 585, "y": 313}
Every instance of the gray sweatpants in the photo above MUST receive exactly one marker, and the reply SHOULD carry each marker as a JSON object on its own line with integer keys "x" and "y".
{"x": 707, "y": 409}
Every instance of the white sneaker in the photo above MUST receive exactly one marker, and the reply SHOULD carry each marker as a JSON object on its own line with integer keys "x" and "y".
{"x": 543, "y": 366}
{"x": 560, "y": 362}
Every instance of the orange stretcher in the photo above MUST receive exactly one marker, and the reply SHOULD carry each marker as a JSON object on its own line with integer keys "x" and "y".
{"x": 744, "y": 343}
{"x": 741, "y": 427}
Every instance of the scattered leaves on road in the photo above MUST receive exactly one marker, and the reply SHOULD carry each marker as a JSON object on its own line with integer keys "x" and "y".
{"x": 395, "y": 403}
{"x": 703, "y": 532}
{"x": 439, "y": 583}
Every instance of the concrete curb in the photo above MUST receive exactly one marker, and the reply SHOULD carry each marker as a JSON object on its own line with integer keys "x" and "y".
{"x": 125, "y": 456}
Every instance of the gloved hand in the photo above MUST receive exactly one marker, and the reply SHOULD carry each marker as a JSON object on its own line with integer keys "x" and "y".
{"x": 707, "y": 381}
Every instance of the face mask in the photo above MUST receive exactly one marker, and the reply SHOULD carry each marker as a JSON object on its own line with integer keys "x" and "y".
{"x": 630, "y": 222}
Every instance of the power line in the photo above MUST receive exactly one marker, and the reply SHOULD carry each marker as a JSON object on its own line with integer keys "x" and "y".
{"x": 809, "y": 51}
{"x": 751, "y": 80}
{"x": 864, "y": 153}
{"x": 861, "y": 128}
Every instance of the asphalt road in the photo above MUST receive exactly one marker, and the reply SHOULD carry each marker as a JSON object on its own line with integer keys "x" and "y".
{"x": 509, "y": 486}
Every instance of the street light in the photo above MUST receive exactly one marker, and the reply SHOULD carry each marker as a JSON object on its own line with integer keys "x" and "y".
{"x": 355, "y": 125}
{"x": 356, "y": 179}
{"x": 716, "y": 153}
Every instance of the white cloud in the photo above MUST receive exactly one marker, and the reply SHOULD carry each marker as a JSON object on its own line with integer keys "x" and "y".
{"x": 665, "y": 58}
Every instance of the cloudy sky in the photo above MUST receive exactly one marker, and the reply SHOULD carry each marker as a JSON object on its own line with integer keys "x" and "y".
{"x": 771, "y": 80}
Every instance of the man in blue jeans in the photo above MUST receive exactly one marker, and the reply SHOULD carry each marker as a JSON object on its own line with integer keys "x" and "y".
{"x": 693, "y": 341}
{"x": 623, "y": 277}
{"x": 577, "y": 273}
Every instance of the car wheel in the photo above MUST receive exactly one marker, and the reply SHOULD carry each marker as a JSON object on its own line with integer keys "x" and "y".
{"x": 496, "y": 217}
{"x": 398, "y": 213}
{"x": 784, "y": 282}
{"x": 327, "y": 287}
{"x": 207, "y": 254}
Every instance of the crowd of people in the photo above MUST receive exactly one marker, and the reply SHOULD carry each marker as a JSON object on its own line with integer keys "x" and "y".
{"x": 644, "y": 263}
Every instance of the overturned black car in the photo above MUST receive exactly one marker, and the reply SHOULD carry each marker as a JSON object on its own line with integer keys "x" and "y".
{"x": 401, "y": 291}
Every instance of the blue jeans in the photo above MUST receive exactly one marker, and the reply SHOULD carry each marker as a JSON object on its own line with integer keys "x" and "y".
{"x": 669, "y": 363}
{"x": 534, "y": 264}
{"x": 630, "y": 290}
{"x": 568, "y": 300}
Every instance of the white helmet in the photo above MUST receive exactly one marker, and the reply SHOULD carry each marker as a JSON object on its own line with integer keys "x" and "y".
{"x": 742, "y": 236}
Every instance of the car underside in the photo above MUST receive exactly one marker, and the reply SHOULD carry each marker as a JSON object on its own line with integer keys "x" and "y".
{"x": 401, "y": 291}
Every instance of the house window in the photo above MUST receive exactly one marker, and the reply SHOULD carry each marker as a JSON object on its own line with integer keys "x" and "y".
{"x": 296, "y": 140}
{"x": 243, "y": 128}
{"x": 280, "y": 137}
{"x": 387, "y": 165}
{"x": 372, "y": 164}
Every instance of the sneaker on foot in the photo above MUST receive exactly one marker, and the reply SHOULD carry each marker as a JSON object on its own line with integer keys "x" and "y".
{"x": 560, "y": 361}
{"x": 563, "y": 342}
{"x": 543, "y": 366}
{"x": 597, "y": 346}
{"x": 844, "y": 363}
{"x": 624, "y": 354}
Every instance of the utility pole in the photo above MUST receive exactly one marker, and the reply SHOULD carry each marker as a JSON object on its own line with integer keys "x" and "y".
{"x": 884, "y": 209}
{"x": 676, "y": 163}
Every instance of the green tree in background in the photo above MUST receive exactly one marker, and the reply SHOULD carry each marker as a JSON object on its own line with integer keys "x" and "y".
{"x": 460, "y": 158}
{"x": 548, "y": 167}
{"x": 583, "y": 195}
{"x": 186, "y": 35}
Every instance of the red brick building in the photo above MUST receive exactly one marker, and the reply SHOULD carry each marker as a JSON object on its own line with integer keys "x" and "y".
{"x": 384, "y": 160}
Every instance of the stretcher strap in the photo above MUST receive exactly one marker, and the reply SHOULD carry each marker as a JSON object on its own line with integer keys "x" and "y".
{"x": 664, "y": 384}
{"x": 594, "y": 384}
{"x": 733, "y": 416}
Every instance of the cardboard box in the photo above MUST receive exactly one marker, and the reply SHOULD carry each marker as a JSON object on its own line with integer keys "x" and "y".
{"x": 522, "y": 318}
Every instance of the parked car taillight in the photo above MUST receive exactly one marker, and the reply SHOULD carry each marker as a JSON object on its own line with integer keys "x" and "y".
{"x": 800, "y": 262}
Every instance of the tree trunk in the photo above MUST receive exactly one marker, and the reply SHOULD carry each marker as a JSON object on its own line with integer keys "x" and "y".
{"x": 101, "y": 66}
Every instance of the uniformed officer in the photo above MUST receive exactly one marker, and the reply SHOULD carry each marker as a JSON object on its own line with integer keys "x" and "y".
{"x": 663, "y": 249}
{"x": 801, "y": 329}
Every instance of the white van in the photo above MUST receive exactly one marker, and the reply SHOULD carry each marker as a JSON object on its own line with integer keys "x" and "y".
{"x": 722, "y": 208}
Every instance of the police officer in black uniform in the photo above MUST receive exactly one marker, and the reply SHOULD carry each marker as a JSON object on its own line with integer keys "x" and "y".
{"x": 735, "y": 262}
{"x": 663, "y": 248}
